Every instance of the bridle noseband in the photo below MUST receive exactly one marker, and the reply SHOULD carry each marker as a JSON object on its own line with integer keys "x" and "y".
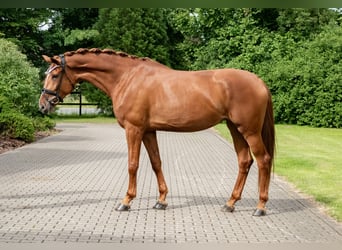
{"x": 57, "y": 98}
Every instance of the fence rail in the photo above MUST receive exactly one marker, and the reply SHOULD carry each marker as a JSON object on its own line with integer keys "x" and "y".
{"x": 80, "y": 103}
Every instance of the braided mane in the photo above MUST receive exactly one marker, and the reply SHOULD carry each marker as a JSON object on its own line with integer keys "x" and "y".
{"x": 83, "y": 51}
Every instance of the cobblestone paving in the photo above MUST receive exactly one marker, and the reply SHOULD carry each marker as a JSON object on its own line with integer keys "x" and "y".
{"x": 65, "y": 188}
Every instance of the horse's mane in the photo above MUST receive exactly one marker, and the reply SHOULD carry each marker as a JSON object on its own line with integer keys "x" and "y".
{"x": 83, "y": 51}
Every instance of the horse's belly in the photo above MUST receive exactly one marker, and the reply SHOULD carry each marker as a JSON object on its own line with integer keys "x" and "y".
{"x": 186, "y": 122}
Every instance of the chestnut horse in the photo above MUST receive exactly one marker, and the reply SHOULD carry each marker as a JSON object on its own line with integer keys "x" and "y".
{"x": 148, "y": 96}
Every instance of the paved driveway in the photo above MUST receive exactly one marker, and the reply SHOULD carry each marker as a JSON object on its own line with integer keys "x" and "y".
{"x": 65, "y": 188}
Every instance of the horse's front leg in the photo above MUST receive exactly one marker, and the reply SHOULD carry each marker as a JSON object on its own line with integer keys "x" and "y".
{"x": 151, "y": 145}
{"x": 134, "y": 137}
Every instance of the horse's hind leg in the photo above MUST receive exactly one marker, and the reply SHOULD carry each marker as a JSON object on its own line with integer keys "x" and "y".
{"x": 264, "y": 165}
{"x": 245, "y": 161}
{"x": 151, "y": 145}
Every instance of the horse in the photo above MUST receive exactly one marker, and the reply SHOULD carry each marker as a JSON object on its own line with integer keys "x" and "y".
{"x": 148, "y": 96}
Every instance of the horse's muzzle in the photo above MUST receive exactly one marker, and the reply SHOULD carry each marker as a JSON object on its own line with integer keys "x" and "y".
{"x": 45, "y": 106}
{"x": 43, "y": 109}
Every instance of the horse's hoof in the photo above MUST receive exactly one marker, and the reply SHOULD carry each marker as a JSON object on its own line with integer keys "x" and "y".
{"x": 259, "y": 212}
{"x": 122, "y": 207}
{"x": 226, "y": 208}
{"x": 160, "y": 206}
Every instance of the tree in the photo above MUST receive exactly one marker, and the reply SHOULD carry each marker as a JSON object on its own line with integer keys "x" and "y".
{"x": 185, "y": 37}
{"x": 302, "y": 24}
{"x": 24, "y": 28}
{"x": 227, "y": 33}
{"x": 142, "y": 32}
{"x": 70, "y": 29}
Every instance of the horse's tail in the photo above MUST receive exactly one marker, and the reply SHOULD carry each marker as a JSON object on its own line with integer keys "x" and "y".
{"x": 268, "y": 130}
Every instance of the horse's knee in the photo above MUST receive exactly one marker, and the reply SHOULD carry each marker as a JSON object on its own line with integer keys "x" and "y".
{"x": 245, "y": 165}
{"x": 132, "y": 168}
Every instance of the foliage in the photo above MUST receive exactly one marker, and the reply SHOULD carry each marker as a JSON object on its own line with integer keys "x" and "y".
{"x": 80, "y": 36}
{"x": 305, "y": 77}
{"x": 5, "y": 104}
{"x": 23, "y": 26}
{"x": 69, "y": 30}
{"x": 140, "y": 32}
{"x": 43, "y": 123}
{"x": 19, "y": 81}
{"x": 19, "y": 93}
{"x": 184, "y": 36}
{"x": 16, "y": 125}
{"x": 303, "y": 24}
{"x": 307, "y": 87}
{"x": 78, "y": 18}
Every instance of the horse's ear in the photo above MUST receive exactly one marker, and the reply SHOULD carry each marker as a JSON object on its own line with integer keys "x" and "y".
{"x": 47, "y": 59}
{"x": 50, "y": 60}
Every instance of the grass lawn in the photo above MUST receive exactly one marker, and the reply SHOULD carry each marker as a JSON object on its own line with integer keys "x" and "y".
{"x": 311, "y": 159}
{"x": 85, "y": 119}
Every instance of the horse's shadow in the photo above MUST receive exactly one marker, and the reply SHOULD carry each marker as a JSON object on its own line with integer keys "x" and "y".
{"x": 275, "y": 205}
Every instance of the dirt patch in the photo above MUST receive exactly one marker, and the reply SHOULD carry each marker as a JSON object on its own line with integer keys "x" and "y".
{"x": 7, "y": 144}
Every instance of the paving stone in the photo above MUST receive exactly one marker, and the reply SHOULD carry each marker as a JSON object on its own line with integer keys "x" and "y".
{"x": 65, "y": 188}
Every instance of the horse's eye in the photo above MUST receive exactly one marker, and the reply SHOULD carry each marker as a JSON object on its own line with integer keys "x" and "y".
{"x": 54, "y": 77}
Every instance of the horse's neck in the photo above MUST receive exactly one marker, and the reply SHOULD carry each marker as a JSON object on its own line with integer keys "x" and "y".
{"x": 103, "y": 73}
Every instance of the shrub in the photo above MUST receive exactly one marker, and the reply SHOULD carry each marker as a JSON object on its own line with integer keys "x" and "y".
{"x": 5, "y": 104}
{"x": 310, "y": 82}
{"x": 43, "y": 123}
{"x": 19, "y": 80}
{"x": 19, "y": 93}
{"x": 304, "y": 77}
{"x": 16, "y": 125}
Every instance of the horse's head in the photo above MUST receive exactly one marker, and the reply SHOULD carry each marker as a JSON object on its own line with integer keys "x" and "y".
{"x": 57, "y": 83}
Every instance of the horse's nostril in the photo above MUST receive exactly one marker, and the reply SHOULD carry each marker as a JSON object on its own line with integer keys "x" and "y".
{"x": 43, "y": 109}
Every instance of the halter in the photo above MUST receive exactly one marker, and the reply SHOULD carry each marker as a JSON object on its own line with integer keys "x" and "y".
{"x": 57, "y": 98}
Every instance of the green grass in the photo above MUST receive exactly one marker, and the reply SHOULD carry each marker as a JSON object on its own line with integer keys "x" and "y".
{"x": 311, "y": 159}
{"x": 85, "y": 119}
